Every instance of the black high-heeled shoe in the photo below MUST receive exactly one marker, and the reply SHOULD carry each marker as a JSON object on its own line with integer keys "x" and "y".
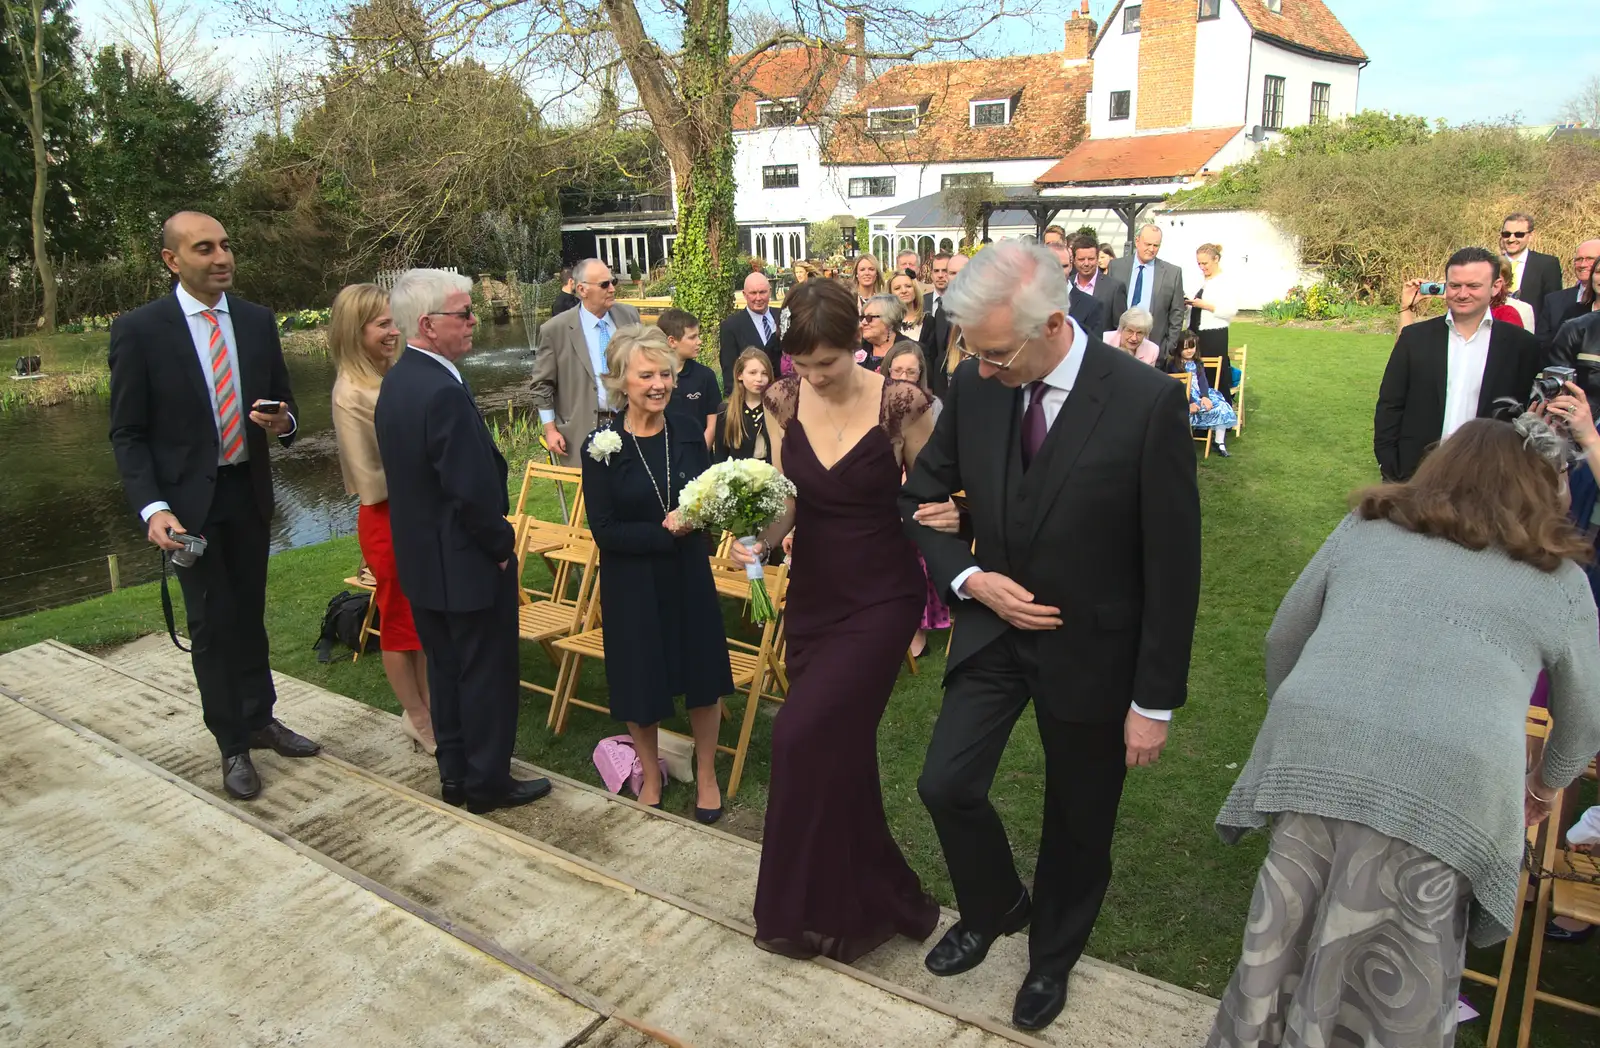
{"x": 707, "y": 816}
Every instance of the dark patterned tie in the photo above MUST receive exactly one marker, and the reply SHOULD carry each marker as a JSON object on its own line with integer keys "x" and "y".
{"x": 1034, "y": 427}
{"x": 766, "y": 327}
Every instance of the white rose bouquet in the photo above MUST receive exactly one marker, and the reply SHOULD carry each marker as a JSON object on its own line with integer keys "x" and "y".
{"x": 743, "y": 496}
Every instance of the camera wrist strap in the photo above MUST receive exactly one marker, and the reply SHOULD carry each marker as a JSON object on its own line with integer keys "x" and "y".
{"x": 166, "y": 602}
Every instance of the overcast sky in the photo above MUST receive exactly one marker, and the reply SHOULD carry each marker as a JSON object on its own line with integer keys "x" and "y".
{"x": 1460, "y": 60}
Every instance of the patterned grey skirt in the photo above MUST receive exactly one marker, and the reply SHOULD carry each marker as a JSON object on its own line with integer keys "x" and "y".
{"x": 1355, "y": 940}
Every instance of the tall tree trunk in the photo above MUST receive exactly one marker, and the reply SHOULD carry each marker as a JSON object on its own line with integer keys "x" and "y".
{"x": 33, "y": 73}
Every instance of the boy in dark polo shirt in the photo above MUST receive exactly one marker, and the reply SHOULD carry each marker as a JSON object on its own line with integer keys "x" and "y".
{"x": 697, "y": 392}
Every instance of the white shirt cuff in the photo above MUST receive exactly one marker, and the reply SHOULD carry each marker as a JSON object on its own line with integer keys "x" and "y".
{"x": 1156, "y": 715}
{"x": 293, "y": 425}
{"x": 152, "y": 509}
{"x": 961, "y": 580}
{"x": 546, "y": 416}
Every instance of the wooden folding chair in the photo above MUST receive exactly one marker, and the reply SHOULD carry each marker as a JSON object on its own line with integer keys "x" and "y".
{"x": 758, "y": 671}
{"x": 1239, "y": 356}
{"x": 544, "y": 536}
{"x": 1538, "y": 727}
{"x": 544, "y": 621}
{"x": 1188, "y": 385}
{"x": 363, "y": 579}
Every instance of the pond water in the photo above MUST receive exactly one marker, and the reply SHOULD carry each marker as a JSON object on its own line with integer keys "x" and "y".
{"x": 62, "y": 509}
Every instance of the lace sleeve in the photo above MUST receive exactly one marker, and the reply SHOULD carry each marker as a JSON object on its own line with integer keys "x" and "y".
{"x": 780, "y": 400}
{"x": 903, "y": 403}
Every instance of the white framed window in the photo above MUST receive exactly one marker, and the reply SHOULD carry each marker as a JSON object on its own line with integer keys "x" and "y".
{"x": 989, "y": 112}
{"x": 1121, "y": 104}
{"x": 1321, "y": 102}
{"x": 872, "y": 186}
{"x": 894, "y": 118}
{"x": 1130, "y": 19}
{"x": 780, "y": 176}
{"x": 1209, "y": 9}
{"x": 779, "y": 112}
{"x": 1272, "y": 103}
{"x": 965, "y": 179}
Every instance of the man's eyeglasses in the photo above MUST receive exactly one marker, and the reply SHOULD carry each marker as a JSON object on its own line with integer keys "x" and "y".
{"x": 1579, "y": 260}
{"x": 603, "y": 284}
{"x": 961, "y": 347}
{"x": 460, "y": 314}
{"x": 1506, "y": 234}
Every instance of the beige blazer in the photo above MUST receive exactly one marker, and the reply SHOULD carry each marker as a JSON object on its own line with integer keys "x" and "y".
{"x": 563, "y": 375}
{"x": 353, "y": 405}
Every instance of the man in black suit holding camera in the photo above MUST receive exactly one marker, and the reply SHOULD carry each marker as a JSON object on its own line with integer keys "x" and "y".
{"x": 455, "y": 550}
{"x": 197, "y": 385}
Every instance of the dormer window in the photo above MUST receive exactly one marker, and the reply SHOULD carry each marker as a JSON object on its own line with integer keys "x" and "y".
{"x": 891, "y": 119}
{"x": 779, "y": 112}
{"x": 1209, "y": 9}
{"x": 1275, "y": 6}
{"x": 1130, "y": 19}
{"x": 989, "y": 112}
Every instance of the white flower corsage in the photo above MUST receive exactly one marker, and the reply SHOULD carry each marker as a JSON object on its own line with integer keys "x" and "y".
{"x": 606, "y": 443}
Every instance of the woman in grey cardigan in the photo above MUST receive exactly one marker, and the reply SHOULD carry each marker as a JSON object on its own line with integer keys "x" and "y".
{"x": 1391, "y": 762}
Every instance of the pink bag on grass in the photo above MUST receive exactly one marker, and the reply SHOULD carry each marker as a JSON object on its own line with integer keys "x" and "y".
{"x": 618, "y": 764}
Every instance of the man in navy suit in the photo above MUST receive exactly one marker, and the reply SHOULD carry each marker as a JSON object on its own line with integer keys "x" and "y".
{"x": 757, "y": 324}
{"x": 454, "y": 548}
{"x": 198, "y": 384}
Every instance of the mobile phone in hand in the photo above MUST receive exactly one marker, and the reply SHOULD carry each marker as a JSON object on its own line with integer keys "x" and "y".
{"x": 268, "y": 407}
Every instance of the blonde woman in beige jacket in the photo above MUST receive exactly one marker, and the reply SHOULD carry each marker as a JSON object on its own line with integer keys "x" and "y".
{"x": 363, "y": 341}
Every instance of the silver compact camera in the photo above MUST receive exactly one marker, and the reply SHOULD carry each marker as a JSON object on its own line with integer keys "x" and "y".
{"x": 194, "y": 547}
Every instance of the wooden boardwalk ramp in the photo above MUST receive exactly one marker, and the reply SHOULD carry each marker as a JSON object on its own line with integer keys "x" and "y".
{"x": 639, "y": 917}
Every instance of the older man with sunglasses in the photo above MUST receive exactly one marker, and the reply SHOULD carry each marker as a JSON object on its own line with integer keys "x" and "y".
{"x": 570, "y": 361}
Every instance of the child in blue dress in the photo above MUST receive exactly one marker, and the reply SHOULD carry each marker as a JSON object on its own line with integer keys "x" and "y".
{"x": 1207, "y": 410}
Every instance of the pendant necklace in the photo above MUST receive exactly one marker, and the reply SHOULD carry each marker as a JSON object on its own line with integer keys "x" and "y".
{"x": 838, "y": 431}
{"x": 655, "y": 489}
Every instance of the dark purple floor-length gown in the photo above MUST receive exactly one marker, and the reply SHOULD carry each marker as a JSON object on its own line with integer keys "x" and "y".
{"x": 833, "y": 881}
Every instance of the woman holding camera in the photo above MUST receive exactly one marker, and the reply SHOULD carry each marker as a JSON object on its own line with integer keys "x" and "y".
{"x": 362, "y": 339}
{"x": 1391, "y": 766}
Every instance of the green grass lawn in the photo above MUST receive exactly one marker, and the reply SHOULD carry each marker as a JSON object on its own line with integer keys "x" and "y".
{"x": 1179, "y": 897}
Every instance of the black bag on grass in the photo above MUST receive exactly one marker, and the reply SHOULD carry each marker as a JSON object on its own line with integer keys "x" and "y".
{"x": 341, "y": 624}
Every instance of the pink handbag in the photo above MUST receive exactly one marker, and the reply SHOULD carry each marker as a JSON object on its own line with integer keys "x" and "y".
{"x": 618, "y": 764}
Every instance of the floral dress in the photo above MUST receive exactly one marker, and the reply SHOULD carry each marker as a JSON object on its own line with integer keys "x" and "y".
{"x": 1221, "y": 413}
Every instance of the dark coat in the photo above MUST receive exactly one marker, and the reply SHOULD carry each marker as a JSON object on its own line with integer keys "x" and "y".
{"x": 1409, "y": 417}
{"x": 1090, "y": 313}
{"x": 738, "y": 333}
{"x": 935, "y": 342}
{"x": 1541, "y": 274}
{"x": 1558, "y": 308}
{"x": 1577, "y": 346}
{"x": 1165, "y": 300}
{"x": 1105, "y": 525}
{"x": 1114, "y": 293}
{"x": 447, "y": 487}
{"x": 721, "y": 450}
{"x": 663, "y": 622}
{"x": 163, "y": 428}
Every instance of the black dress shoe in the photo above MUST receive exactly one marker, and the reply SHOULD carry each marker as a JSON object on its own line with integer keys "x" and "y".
{"x": 239, "y": 777}
{"x": 283, "y": 742}
{"x": 453, "y": 793}
{"x": 522, "y": 791}
{"x": 963, "y": 949}
{"x": 1039, "y": 1001}
{"x": 707, "y": 816}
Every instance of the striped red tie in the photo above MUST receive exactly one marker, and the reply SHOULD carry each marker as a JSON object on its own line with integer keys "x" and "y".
{"x": 230, "y": 421}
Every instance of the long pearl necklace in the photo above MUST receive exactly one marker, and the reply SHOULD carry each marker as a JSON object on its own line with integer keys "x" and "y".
{"x": 663, "y": 494}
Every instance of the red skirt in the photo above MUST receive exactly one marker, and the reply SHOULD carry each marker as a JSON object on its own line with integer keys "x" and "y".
{"x": 398, "y": 631}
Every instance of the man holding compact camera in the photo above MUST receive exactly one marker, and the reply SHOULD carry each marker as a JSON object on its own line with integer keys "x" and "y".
{"x": 198, "y": 383}
{"x": 1447, "y": 370}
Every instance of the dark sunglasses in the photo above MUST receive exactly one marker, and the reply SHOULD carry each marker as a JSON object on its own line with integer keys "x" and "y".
{"x": 460, "y": 314}
{"x": 606, "y": 284}
{"x": 871, "y": 316}
{"x": 1508, "y": 235}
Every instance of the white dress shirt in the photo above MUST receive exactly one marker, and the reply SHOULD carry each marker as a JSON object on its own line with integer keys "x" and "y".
{"x": 763, "y": 322}
{"x": 200, "y": 335}
{"x": 1464, "y": 372}
{"x": 445, "y": 362}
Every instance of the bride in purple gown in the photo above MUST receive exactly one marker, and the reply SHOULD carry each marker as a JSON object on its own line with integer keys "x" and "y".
{"x": 833, "y": 881}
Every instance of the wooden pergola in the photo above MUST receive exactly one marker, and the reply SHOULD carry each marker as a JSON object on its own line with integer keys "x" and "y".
{"x": 1044, "y": 209}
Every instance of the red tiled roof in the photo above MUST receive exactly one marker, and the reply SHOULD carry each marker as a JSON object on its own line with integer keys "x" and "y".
{"x": 1303, "y": 23}
{"x": 807, "y": 73}
{"x": 1048, "y": 120}
{"x": 1174, "y": 155}
{"x": 1307, "y": 24}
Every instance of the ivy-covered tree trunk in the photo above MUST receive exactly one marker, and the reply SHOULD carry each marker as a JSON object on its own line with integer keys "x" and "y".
{"x": 693, "y": 119}
{"x": 29, "y": 45}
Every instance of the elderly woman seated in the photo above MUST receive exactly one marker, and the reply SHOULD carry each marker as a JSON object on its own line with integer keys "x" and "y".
{"x": 1133, "y": 336}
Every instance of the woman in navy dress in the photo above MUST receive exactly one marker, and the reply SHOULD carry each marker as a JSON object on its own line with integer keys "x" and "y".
{"x": 663, "y": 622}
{"x": 833, "y": 881}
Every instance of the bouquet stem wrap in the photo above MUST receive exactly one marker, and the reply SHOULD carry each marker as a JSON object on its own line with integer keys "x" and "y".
{"x": 760, "y": 601}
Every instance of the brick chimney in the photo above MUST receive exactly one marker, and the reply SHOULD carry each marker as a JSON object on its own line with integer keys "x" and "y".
{"x": 855, "y": 39}
{"x": 1080, "y": 34}
{"x": 1166, "y": 64}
